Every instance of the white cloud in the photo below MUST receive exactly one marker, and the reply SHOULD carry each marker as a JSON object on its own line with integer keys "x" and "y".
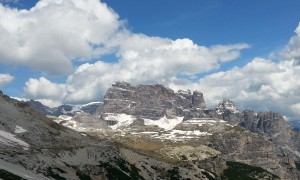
{"x": 167, "y": 58}
{"x": 292, "y": 50}
{"x": 144, "y": 59}
{"x": 260, "y": 85}
{"x": 141, "y": 58}
{"x": 44, "y": 89}
{"x": 5, "y": 79}
{"x": 54, "y": 33}
{"x": 296, "y": 108}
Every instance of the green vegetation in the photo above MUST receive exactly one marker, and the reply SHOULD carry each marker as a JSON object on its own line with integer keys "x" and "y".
{"x": 240, "y": 171}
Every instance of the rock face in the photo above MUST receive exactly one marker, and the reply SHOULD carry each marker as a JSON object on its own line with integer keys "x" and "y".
{"x": 152, "y": 101}
{"x": 226, "y": 110}
{"x": 270, "y": 124}
{"x": 226, "y": 106}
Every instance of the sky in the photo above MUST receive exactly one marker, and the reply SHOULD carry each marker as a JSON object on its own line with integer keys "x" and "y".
{"x": 71, "y": 51}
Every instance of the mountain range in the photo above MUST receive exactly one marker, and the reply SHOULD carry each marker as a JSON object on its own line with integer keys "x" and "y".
{"x": 145, "y": 132}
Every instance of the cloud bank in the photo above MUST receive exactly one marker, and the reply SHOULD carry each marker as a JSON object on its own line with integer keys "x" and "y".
{"x": 262, "y": 84}
{"x": 84, "y": 30}
{"x": 54, "y": 33}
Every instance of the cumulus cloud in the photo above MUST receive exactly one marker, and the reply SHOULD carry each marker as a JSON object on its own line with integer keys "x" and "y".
{"x": 5, "y": 79}
{"x": 292, "y": 50}
{"x": 44, "y": 89}
{"x": 259, "y": 88}
{"x": 144, "y": 59}
{"x": 261, "y": 85}
{"x": 167, "y": 58}
{"x": 54, "y": 33}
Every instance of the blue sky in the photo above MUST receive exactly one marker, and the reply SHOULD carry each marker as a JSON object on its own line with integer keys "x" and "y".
{"x": 182, "y": 44}
{"x": 266, "y": 25}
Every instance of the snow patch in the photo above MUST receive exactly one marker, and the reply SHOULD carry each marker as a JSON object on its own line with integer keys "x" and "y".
{"x": 149, "y": 132}
{"x": 10, "y": 140}
{"x": 201, "y": 122}
{"x": 65, "y": 117}
{"x": 197, "y": 121}
{"x": 75, "y": 126}
{"x": 164, "y": 122}
{"x": 20, "y": 129}
{"x": 92, "y": 103}
{"x": 190, "y": 133}
{"x": 123, "y": 120}
{"x": 179, "y": 135}
{"x": 145, "y": 132}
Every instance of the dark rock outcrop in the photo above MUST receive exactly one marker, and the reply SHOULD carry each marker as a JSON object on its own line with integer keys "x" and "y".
{"x": 152, "y": 101}
{"x": 274, "y": 128}
{"x": 269, "y": 124}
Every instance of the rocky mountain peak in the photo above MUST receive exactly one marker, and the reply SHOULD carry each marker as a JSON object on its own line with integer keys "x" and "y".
{"x": 226, "y": 105}
{"x": 152, "y": 101}
{"x": 198, "y": 100}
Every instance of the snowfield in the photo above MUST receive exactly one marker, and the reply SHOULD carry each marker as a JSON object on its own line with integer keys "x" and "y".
{"x": 164, "y": 122}
{"x": 123, "y": 120}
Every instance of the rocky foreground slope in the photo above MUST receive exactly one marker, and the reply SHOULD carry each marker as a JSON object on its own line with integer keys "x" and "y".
{"x": 176, "y": 128}
{"x": 34, "y": 147}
